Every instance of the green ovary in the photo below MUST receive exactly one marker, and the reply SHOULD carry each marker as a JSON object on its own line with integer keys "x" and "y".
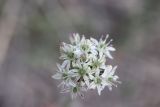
{"x": 82, "y": 72}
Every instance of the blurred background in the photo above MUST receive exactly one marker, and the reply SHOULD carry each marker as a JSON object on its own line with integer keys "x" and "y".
{"x": 30, "y": 35}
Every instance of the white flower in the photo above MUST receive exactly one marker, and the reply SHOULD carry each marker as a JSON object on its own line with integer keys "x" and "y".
{"x": 74, "y": 91}
{"x": 84, "y": 65}
{"x": 98, "y": 82}
{"x": 64, "y": 74}
{"x": 67, "y": 52}
{"x": 110, "y": 77}
{"x": 98, "y": 63}
{"x": 86, "y": 46}
{"x": 82, "y": 73}
{"x": 103, "y": 47}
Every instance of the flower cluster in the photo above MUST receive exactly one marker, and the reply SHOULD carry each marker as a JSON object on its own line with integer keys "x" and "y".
{"x": 84, "y": 65}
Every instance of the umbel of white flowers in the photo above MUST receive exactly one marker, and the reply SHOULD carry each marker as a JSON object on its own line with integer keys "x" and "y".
{"x": 84, "y": 65}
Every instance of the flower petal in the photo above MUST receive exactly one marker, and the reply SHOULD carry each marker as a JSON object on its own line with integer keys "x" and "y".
{"x": 57, "y": 76}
